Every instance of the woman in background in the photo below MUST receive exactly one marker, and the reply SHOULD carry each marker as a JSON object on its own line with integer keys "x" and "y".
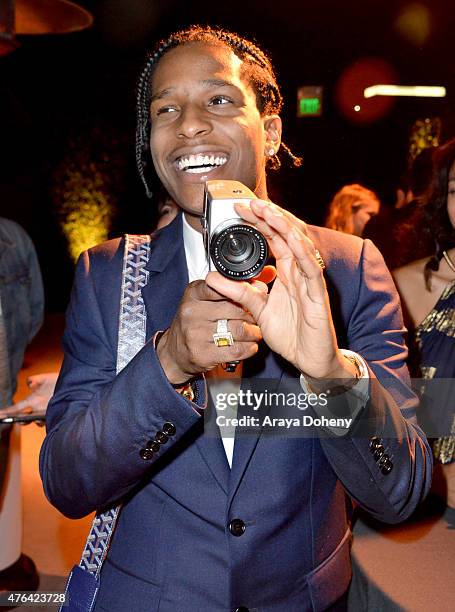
{"x": 427, "y": 288}
{"x": 351, "y": 208}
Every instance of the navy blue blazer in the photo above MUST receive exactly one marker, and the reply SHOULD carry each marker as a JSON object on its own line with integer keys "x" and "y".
{"x": 176, "y": 547}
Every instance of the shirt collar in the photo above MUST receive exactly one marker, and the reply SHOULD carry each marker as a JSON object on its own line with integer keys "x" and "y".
{"x": 194, "y": 251}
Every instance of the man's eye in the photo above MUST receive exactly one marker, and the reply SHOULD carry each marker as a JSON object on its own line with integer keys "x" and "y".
{"x": 218, "y": 100}
{"x": 165, "y": 109}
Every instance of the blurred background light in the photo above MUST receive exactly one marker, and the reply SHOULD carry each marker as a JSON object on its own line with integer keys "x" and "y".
{"x": 413, "y": 23}
{"x": 350, "y": 87}
{"x": 424, "y": 133}
{"x": 86, "y": 187}
{"x": 416, "y": 91}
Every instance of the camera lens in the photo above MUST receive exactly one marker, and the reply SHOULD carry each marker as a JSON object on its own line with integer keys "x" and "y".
{"x": 239, "y": 251}
{"x": 236, "y": 248}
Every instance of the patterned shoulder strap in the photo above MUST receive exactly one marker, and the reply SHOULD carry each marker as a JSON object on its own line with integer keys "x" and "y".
{"x": 131, "y": 338}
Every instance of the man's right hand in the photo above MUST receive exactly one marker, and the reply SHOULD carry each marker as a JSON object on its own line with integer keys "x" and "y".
{"x": 187, "y": 348}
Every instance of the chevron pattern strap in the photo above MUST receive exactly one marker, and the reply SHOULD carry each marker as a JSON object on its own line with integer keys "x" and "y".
{"x": 131, "y": 338}
{"x": 133, "y": 317}
{"x": 98, "y": 541}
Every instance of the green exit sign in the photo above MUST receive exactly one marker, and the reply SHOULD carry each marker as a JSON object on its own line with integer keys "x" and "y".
{"x": 309, "y": 101}
{"x": 310, "y": 106}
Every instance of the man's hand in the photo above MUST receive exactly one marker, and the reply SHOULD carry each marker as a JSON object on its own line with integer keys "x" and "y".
{"x": 187, "y": 349}
{"x": 42, "y": 388}
{"x": 294, "y": 317}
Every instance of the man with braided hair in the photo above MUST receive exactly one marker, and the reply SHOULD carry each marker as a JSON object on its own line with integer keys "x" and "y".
{"x": 210, "y": 524}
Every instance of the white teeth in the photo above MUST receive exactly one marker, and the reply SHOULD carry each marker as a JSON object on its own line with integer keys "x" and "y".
{"x": 199, "y": 170}
{"x": 200, "y": 163}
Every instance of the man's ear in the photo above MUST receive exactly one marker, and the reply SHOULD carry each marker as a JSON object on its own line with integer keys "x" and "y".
{"x": 272, "y": 127}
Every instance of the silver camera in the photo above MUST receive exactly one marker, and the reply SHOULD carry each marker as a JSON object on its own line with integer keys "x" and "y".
{"x": 233, "y": 246}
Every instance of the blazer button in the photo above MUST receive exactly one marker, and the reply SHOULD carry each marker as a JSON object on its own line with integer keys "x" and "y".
{"x": 146, "y": 454}
{"x": 237, "y": 527}
{"x": 374, "y": 443}
{"x": 378, "y": 453}
{"x": 242, "y": 609}
{"x": 386, "y": 467}
{"x": 384, "y": 459}
{"x": 153, "y": 446}
{"x": 169, "y": 428}
{"x": 161, "y": 437}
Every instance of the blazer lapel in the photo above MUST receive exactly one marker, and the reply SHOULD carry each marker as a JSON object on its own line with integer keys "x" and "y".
{"x": 212, "y": 450}
{"x": 261, "y": 373}
{"x": 168, "y": 278}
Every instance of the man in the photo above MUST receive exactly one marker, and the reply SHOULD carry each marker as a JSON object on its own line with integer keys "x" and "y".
{"x": 21, "y": 315}
{"x": 206, "y": 524}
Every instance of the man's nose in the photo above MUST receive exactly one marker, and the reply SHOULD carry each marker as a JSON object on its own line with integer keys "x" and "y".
{"x": 193, "y": 122}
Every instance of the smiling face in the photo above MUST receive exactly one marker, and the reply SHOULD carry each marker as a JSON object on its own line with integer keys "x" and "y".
{"x": 205, "y": 124}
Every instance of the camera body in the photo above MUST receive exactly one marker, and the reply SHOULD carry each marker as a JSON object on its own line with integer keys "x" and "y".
{"x": 233, "y": 246}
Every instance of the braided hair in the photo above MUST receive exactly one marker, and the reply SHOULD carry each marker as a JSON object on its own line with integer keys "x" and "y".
{"x": 256, "y": 65}
{"x": 436, "y": 221}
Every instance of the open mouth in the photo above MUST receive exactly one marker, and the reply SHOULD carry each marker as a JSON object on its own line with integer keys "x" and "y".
{"x": 196, "y": 164}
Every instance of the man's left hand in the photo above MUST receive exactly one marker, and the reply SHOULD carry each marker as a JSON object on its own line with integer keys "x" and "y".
{"x": 294, "y": 316}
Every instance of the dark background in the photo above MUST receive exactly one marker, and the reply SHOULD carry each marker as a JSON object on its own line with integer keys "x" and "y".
{"x": 58, "y": 93}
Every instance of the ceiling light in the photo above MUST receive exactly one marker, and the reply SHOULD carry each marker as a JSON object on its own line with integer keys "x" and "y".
{"x": 418, "y": 91}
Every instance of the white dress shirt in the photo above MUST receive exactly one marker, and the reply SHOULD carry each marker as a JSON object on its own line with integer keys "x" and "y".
{"x": 198, "y": 269}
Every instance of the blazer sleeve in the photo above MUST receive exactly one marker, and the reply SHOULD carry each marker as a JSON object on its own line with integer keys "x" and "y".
{"x": 99, "y": 423}
{"x": 384, "y": 462}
